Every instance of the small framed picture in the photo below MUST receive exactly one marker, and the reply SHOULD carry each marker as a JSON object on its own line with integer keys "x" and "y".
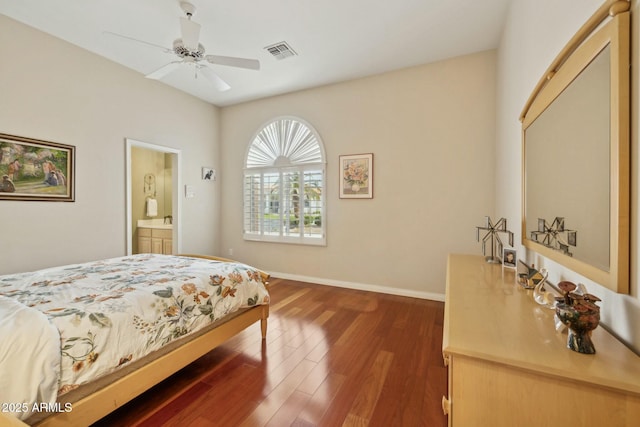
{"x": 356, "y": 176}
{"x": 509, "y": 257}
{"x": 208, "y": 174}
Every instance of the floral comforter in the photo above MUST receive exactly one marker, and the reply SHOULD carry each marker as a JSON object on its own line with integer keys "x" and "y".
{"x": 89, "y": 319}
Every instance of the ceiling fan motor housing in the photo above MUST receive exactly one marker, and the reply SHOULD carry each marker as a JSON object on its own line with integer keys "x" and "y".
{"x": 183, "y": 52}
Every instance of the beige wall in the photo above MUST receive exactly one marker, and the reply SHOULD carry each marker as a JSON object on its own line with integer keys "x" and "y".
{"x": 54, "y": 91}
{"x": 534, "y": 34}
{"x": 431, "y": 130}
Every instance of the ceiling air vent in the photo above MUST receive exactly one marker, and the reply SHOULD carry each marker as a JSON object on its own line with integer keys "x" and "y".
{"x": 281, "y": 50}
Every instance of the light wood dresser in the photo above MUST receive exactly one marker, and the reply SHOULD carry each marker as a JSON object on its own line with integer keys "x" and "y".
{"x": 509, "y": 367}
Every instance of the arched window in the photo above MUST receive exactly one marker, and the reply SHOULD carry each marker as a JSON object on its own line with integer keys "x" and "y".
{"x": 284, "y": 184}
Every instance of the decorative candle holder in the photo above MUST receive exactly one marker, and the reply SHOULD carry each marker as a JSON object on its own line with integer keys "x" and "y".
{"x": 581, "y": 315}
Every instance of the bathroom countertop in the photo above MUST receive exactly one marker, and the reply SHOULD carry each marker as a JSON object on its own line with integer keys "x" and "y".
{"x": 154, "y": 223}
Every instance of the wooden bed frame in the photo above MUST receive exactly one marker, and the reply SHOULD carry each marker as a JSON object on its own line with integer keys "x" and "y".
{"x": 107, "y": 399}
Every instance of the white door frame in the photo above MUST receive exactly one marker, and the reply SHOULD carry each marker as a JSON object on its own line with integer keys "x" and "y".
{"x": 176, "y": 201}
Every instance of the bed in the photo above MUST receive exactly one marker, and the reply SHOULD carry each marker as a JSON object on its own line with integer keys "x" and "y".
{"x": 81, "y": 340}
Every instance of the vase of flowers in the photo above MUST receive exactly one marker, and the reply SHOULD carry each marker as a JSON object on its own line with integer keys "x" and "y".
{"x": 355, "y": 174}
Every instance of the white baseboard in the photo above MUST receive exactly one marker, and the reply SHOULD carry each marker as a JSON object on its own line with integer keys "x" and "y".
{"x": 360, "y": 286}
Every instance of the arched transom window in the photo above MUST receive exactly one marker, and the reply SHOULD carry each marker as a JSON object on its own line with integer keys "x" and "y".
{"x": 284, "y": 184}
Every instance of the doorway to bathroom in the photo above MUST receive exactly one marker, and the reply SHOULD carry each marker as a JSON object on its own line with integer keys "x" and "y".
{"x": 153, "y": 202}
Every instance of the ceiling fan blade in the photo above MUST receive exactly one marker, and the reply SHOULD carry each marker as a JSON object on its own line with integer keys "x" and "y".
{"x": 164, "y": 70}
{"x": 190, "y": 33}
{"x": 210, "y": 75}
{"x": 164, "y": 49}
{"x": 231, "y": 61}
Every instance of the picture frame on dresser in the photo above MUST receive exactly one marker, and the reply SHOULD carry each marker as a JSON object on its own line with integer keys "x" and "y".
{"x": 509, "y": 258}
{"x": 33, "y": 169}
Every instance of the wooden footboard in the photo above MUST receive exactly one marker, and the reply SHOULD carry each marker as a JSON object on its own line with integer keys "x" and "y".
{"x": 104, "y": 401}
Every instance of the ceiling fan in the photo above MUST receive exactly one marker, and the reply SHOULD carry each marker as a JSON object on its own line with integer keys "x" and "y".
{"x": 189, "y": 51}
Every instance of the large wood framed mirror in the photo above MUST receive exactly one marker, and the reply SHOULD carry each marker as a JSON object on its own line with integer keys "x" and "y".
{"x": 575, "y": 132}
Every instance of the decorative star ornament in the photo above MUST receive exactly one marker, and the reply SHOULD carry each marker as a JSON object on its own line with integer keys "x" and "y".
{"x": 492, "y": 237}
{"x": 555, "y": 236}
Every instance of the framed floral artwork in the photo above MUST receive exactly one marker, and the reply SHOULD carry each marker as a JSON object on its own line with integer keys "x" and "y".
{"x": 356, "y": 176}
{"x": 31, "y": 169}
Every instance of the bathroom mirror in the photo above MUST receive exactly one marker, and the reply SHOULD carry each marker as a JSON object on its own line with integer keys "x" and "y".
{"x": 576, "y": 153}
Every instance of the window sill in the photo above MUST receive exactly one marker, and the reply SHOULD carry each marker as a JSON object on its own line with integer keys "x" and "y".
{"x": 307, "y": 241}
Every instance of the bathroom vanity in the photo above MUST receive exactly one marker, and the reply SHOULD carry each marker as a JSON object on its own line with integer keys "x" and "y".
{"x": 155, "y": 237}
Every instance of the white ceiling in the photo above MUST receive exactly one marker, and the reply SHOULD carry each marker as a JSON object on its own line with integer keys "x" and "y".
{"x": 336, "y": 40}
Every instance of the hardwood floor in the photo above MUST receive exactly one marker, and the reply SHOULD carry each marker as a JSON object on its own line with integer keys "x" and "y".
{"x": 332, "y": 357}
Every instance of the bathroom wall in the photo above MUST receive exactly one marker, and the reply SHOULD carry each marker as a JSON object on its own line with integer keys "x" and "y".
{"x": 157, "y": 164}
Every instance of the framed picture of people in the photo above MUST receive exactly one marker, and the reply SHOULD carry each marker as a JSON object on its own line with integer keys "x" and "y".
{"x": 509, "y": 257}
{"x": 32, "y": 169}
